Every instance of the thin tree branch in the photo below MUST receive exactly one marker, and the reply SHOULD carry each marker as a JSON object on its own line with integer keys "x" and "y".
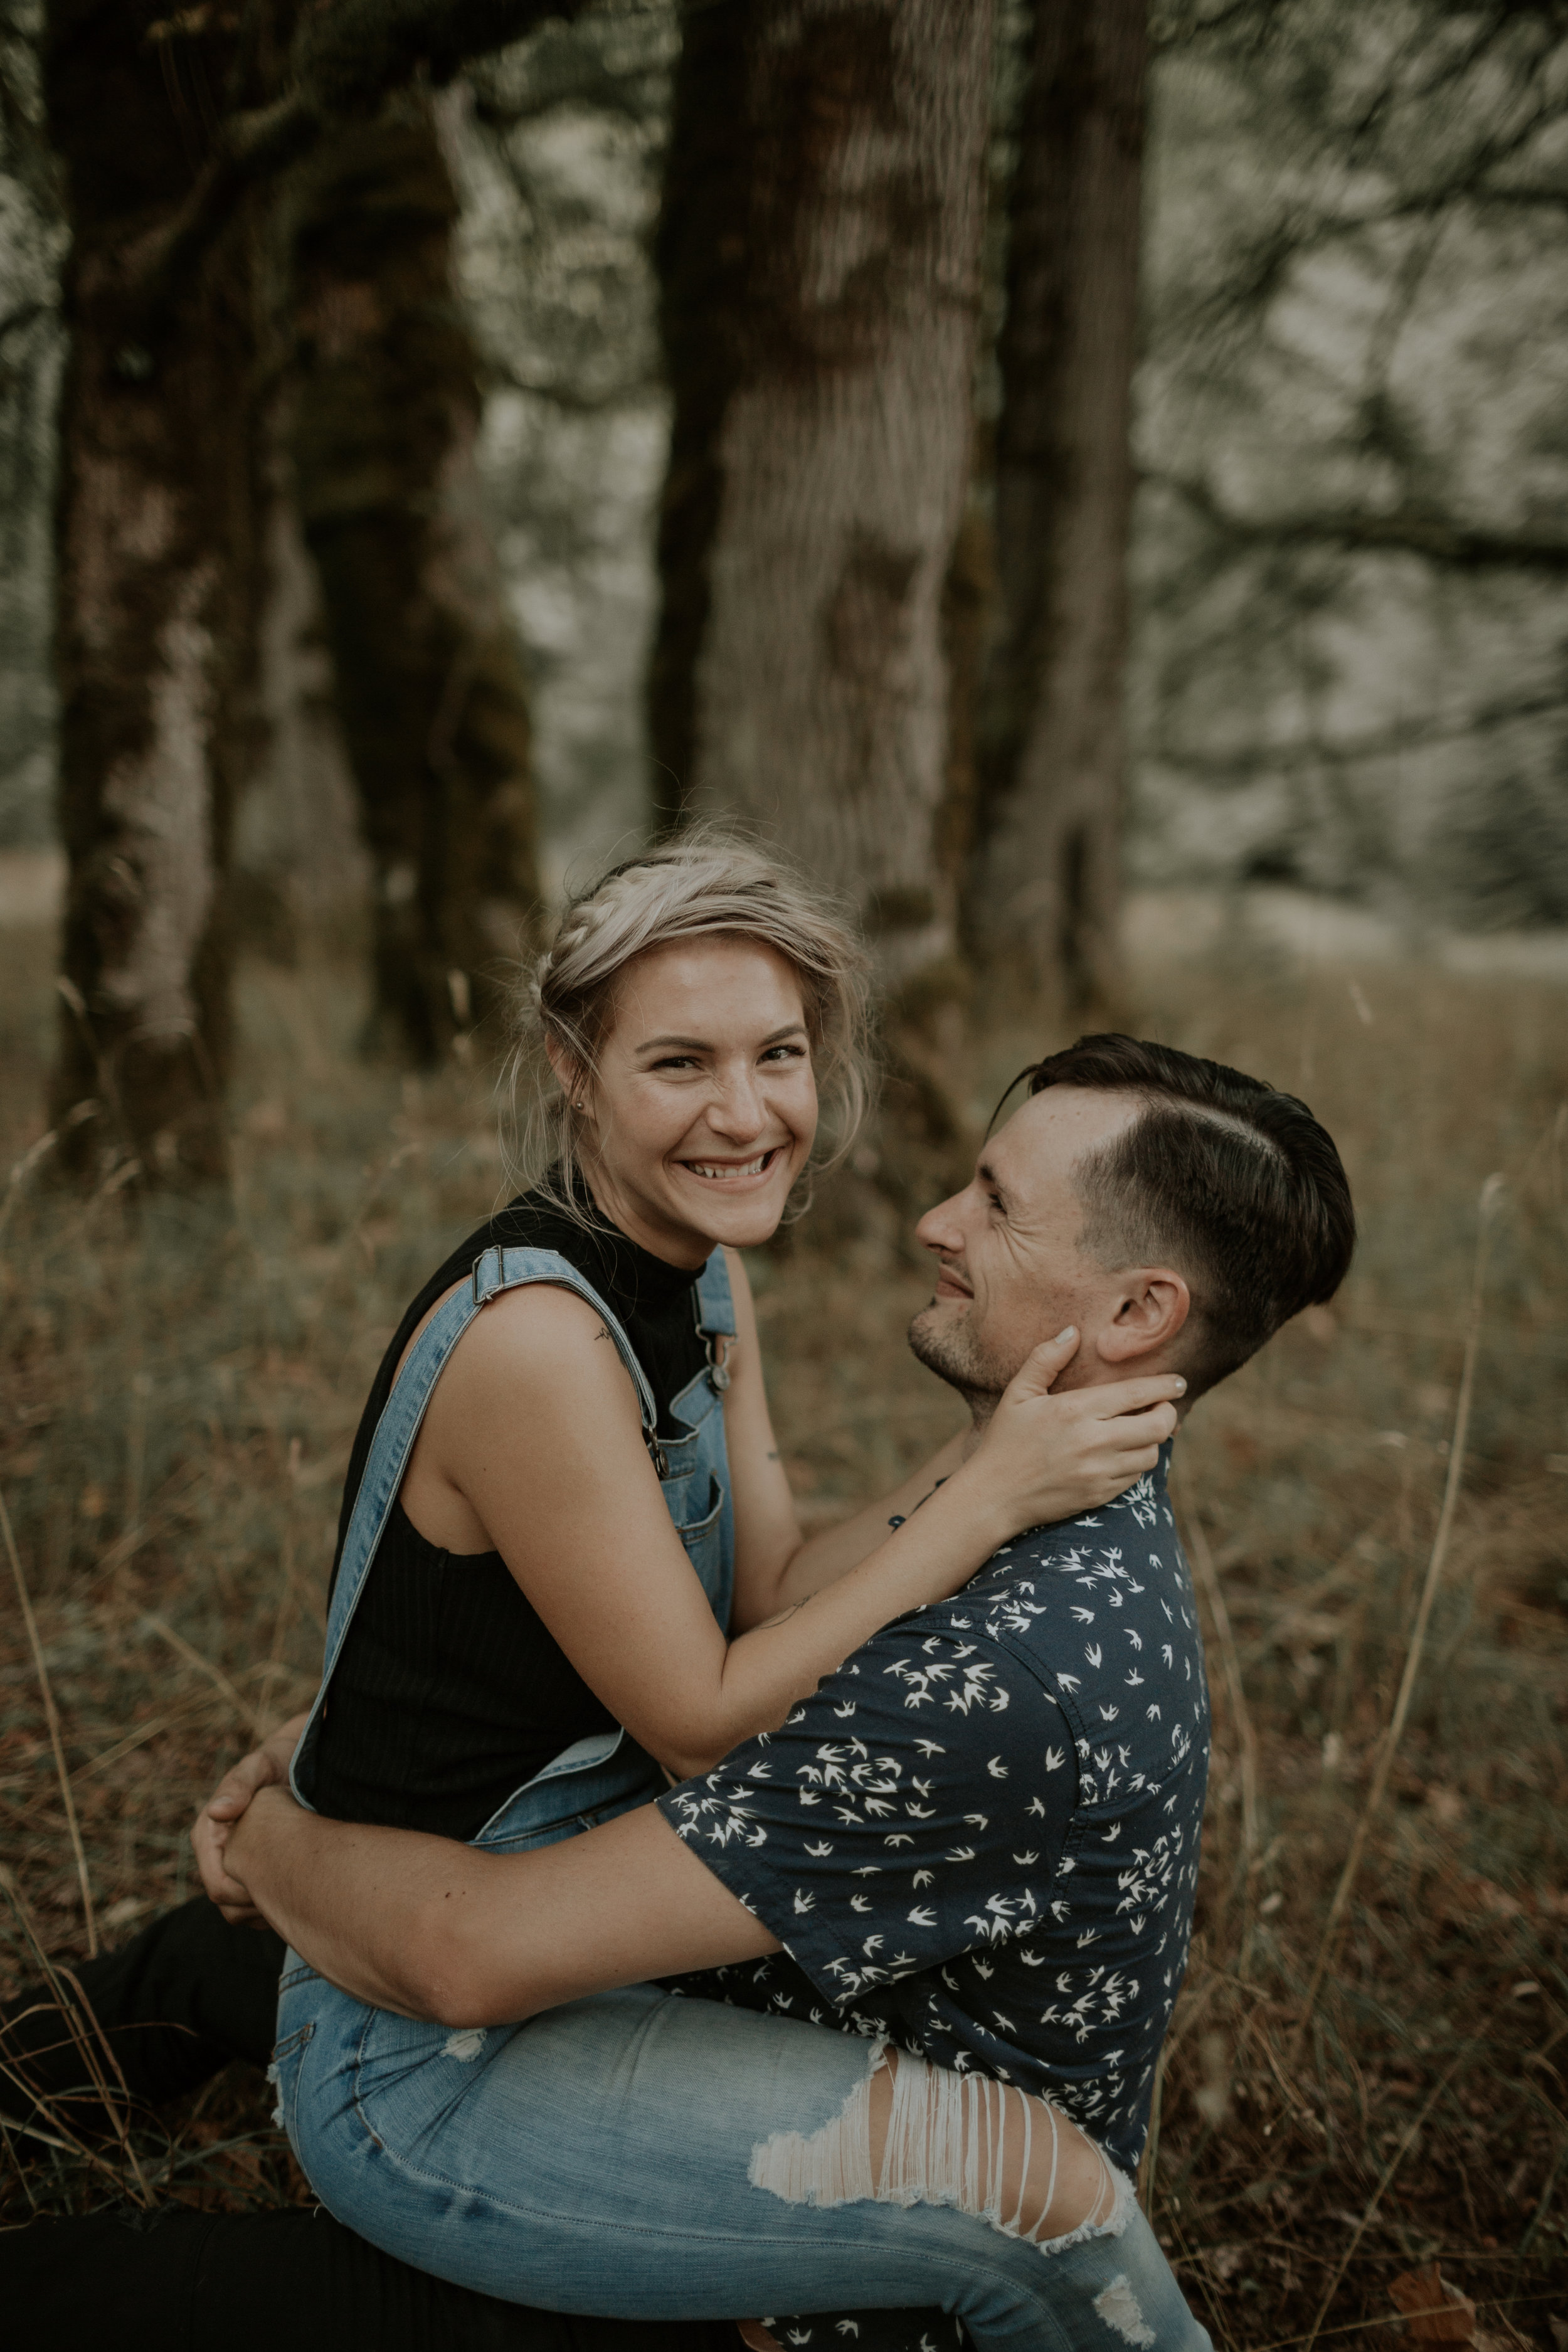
{"x": 1319, "y": 751}
{"x": 250, "y": 147}
{"x": 347, "y": 58}
{"x": 1408, "y": 529}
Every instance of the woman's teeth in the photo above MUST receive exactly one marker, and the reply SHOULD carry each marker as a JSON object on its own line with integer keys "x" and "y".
{"x": 722, "y": 1172}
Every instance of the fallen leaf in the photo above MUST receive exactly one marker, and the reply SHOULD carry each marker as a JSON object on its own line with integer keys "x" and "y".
{"x": 1434, "y": 2312}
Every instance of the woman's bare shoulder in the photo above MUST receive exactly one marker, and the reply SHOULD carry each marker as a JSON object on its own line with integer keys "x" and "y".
{"x": 529, "y": 1329}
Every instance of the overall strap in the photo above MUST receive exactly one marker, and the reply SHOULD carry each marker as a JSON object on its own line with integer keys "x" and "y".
{"x": 494, "y": 1270}
{"x": 716, "y": 1318}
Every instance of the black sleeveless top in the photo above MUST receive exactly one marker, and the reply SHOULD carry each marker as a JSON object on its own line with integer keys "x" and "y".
{"x": 450, "y": 1691}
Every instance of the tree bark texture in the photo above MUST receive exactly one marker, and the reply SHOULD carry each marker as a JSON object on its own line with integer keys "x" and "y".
{"x": 1044, "y": 884}
{"x": 820, "y": 256}
{"x": 154, "y": 622}
{"x": 385, "y": 407}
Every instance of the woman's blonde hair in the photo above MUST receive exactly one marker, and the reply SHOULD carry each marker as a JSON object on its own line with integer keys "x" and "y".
{"x": 707, "y": 881}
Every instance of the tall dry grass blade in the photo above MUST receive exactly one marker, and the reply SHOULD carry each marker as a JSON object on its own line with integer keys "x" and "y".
{"x": 120, "y": 2116}
{"x": 52, "y": 1718}
{"x": 128, "y": 1746}
{"x": 215, "y": 1675}
{"x": 1375, "y": 2200}
{"x": 72, "y": 2004}
{"x": 22, "y": 1170}
{"x": 18, "y": 2168}
{"x": 1213, "y": 1592}
{"x": 1489, "y": 1194}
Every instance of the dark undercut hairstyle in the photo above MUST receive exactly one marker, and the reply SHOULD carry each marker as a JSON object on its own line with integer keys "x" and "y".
{"x": 1226, "y": 1179}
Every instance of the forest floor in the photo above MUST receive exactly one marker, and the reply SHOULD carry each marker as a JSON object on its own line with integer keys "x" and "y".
{"x": 178, "y": 1386}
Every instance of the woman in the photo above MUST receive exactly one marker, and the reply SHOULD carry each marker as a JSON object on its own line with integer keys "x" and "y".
{"x": 520, "y": 1642}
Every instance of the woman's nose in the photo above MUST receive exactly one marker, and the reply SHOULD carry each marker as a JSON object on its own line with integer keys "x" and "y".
{"x": 738, "y": 1110}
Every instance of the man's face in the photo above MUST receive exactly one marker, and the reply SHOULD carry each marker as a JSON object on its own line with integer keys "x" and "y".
{"x": 1013, "y": 1272}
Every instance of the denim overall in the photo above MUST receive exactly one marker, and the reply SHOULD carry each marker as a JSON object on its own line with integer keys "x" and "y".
{"x": 607, "y": 1773}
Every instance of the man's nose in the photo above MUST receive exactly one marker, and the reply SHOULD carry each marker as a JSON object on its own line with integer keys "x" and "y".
{"x": 939, "y": 1228}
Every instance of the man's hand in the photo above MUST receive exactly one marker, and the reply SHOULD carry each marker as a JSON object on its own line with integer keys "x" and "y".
{"x": 261, "y": 1768}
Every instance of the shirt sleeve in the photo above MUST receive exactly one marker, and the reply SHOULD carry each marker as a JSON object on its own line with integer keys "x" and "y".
{"x": 915, "y": 1807}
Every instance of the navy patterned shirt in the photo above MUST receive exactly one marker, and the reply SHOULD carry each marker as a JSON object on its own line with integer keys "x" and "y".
{"x": 979, "y": 1836}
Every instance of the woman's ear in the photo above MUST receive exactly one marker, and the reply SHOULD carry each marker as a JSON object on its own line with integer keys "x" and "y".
{"x": 1152, "y": 1309}
{"x": 567, "y": 1068}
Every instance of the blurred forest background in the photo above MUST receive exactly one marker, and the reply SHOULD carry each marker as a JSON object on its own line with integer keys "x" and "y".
{"x": 1090, "y": 478}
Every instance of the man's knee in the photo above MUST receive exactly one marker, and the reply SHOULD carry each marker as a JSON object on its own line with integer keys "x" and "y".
{"x": 914, "y": 2134}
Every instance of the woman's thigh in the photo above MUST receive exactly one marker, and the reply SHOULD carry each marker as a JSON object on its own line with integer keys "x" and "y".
{"x": 600, "y": 2159}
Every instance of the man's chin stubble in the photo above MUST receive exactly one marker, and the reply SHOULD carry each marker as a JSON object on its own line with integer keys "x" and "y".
{"x": 946, "y": 1353}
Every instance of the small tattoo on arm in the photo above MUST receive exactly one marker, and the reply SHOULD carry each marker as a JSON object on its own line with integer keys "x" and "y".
{"x": 603, "y": 1332}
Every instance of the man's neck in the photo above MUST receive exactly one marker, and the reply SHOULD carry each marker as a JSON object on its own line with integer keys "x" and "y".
{"x": 982, "y": 1405}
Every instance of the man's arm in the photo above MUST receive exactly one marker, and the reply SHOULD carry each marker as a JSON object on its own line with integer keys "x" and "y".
{"x": 434, "y": 1929}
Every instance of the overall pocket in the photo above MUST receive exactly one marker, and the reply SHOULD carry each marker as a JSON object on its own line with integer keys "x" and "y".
{"x": 701, "y": 1532}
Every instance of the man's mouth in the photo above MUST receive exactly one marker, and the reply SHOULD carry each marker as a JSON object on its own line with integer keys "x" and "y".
{"x": 952, "y": 1286}
{"x": 731, "y": 1172}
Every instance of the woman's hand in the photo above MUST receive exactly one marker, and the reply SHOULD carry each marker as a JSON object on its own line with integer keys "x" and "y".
{"x": 209, "y": 1838}
{"x": 1045, "y": 1457}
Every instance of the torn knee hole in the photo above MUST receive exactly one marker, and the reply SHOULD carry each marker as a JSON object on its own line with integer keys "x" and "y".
{"x": 914, "y": 2134}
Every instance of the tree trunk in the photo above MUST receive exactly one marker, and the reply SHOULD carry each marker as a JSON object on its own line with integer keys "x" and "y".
{"x": 820, "y": 259}
{"x": 429, "y": 685}
{"x": 301, "y": 876}
{"x": 1046, "y": 879}
{"x": 154, "y": 622}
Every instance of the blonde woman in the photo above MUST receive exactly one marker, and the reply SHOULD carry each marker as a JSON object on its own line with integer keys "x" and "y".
{"x": 569, "y": 1570}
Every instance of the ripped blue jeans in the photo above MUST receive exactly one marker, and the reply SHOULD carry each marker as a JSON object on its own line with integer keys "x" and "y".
{"x": 642, "y": 2154}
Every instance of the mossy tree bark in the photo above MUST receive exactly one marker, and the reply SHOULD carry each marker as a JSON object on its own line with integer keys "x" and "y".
{"x": 1045, "y": 883}
{"x": 156, "y": 625}
{"x": 820, "y": 262}
{"x": 170, "y": 128}
{"x": 385, "y": 409}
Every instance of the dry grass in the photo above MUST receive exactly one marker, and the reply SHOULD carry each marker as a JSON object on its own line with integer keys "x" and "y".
{"x": 178, "y": 1389}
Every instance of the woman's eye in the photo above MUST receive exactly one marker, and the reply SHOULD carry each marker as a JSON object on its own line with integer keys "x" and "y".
{"x": 785, "y": 1054}
{"x": 676, "y": 1062}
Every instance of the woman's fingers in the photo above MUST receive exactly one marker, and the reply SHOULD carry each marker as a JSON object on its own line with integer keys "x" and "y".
{"x": 1047, "y": 1363}
{"x": 240, "y": 1784}
{"x": 1132, "y": 1429}
{"x": 208, "y": 1839}
{"x": 1119, "y": 1398}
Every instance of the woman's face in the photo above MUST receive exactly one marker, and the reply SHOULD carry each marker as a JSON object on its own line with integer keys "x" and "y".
{"x": 704, "y": 1107}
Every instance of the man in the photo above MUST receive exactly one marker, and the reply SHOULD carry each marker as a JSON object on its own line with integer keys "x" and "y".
{"x": 978, "y": 1839}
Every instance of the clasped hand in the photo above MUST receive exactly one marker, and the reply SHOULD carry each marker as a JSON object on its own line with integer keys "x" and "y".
{"x": 264, "y": 1768}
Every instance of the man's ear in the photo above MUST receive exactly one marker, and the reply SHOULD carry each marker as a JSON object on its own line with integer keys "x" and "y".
{"x": 1152, "y": 1308}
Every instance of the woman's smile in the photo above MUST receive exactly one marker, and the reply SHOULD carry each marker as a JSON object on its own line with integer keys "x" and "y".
{"x": 733, "y": 1171}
